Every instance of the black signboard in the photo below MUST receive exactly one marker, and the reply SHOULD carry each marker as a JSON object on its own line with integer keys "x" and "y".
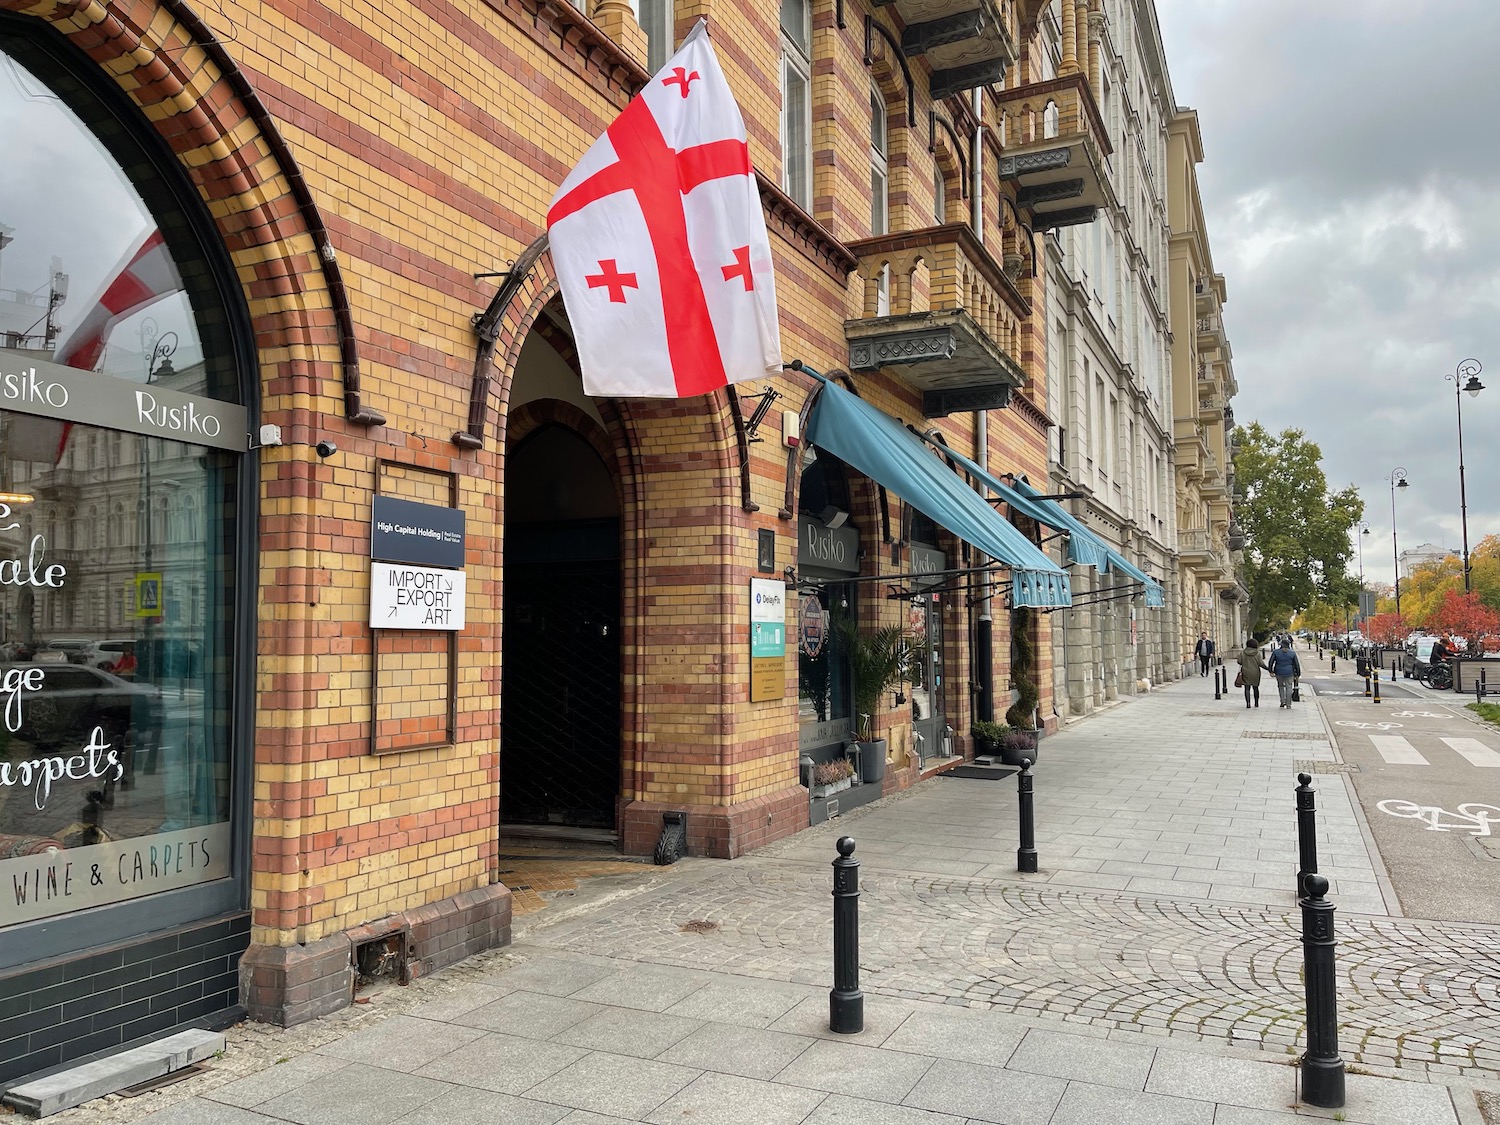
{"x": 404, "y": 531}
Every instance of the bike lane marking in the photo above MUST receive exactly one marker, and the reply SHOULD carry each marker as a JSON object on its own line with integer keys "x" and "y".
{"x": 1476, "y": 752}
{"x": 1397, "y": 751}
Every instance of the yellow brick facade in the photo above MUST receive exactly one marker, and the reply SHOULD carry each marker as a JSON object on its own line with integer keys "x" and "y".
{"x": 363, "y": 169}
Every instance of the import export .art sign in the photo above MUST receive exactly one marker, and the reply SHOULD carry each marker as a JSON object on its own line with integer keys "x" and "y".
{"x": 416, "y": 597}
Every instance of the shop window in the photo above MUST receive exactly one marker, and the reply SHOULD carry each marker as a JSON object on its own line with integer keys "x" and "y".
{"x": 115, "y": 721}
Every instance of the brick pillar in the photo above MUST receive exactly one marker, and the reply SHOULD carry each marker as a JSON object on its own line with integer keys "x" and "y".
{"x": 615, "y": 19}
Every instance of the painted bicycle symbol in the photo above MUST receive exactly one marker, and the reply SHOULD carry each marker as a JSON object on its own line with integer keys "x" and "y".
{"x": 1368, "y": 726}
{"x": 1417, "y": 715}
{"x": 1475, "y": 819}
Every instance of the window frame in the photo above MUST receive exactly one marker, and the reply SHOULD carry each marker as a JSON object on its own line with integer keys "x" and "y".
{"x": 796, "y": 65}
{"x": 54, "y": 60}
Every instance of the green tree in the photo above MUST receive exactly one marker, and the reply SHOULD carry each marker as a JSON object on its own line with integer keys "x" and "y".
{"x": 1297, "y": 548}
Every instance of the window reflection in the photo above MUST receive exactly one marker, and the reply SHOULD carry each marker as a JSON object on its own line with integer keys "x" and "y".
{"x": 122, "y": 648}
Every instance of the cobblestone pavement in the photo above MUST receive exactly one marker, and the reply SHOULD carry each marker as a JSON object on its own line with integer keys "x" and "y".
{"x": 1412, "y": 994}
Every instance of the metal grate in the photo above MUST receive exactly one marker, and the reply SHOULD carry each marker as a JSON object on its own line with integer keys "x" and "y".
{"x": 1304, "y": 736}
{"x": 560, "y": 719}
{"x": 1326, "y": 767}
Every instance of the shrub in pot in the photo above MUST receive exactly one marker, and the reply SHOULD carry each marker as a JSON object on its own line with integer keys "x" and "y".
{"x": 1016, "y": 745}
{"x": 987, "y": 735}
{"x": 832, "y": 777}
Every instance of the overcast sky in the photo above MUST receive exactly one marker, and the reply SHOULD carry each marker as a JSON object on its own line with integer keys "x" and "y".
{"x": 1351, "y": 180}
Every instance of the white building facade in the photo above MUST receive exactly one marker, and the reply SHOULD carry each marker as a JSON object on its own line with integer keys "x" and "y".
{"x": 1108, "y": 369}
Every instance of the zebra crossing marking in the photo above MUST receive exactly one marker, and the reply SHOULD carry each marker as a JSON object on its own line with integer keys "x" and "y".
{"x": 1397, "y": 751}
{"x": 1476, "y": 752}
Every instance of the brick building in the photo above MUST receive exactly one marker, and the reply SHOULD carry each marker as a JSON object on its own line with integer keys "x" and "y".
{"x": 314, "y": 242}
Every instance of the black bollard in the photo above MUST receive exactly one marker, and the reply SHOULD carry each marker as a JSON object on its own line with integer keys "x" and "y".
{"x": 1393, "y": 671}
{"x": 1377, "y": 689}
{"x": 1218, "y": 693}
{"x": 846, "y": 1004}
{"x": 1307, "y": 832}
{"x": 1333, "y": 665}
{"x": 1322, "y": 1069}
{"x": 1367, "y": 687}
{"x": 1026, "y": 853}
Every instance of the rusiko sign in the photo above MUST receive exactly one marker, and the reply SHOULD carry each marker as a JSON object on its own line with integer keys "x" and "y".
{"x": 50, "y": 390}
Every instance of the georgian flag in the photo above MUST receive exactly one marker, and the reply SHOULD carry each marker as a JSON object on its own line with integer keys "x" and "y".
{"x": 659, "y": 242}
{"x": 144, "y": 275}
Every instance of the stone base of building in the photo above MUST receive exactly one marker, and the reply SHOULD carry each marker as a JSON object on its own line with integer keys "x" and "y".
{"x": 104, "y": 998}
{"x": 716, "y": 830}
{"x": 288, "y": 985}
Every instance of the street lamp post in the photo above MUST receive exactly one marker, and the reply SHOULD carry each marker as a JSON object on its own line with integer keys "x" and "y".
{"x": 1465, "y": 379}
{"x": 1359, "y": 541}
{"x": 1398, "y": 480}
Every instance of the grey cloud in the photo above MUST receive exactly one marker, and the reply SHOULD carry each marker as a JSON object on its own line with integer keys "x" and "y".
{"x": 1349, "y": 185}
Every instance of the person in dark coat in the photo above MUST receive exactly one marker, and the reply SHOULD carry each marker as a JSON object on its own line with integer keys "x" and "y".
{"x": 1250, "y": 666}
{"x": 1204, "y": 651}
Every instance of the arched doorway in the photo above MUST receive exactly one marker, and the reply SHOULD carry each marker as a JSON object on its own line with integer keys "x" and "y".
{"x": 560, "y": 713}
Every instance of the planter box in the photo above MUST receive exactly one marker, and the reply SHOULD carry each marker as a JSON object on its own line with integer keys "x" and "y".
{"x": 830, "y": 790}
{"x": 872, "y": 760}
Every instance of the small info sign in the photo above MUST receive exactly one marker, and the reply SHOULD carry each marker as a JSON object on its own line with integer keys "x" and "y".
{"x": 767, "y": 639}
{"x": 416, "y": 597}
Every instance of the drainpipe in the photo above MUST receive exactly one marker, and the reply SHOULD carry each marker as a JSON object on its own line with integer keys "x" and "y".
{"x": 984, "y": 632}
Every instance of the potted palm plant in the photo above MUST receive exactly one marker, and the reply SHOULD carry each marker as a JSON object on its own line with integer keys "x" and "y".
{"x": 877, "y": 664}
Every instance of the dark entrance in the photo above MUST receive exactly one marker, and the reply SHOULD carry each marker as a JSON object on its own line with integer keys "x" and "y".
{"x": 560, "y": 714}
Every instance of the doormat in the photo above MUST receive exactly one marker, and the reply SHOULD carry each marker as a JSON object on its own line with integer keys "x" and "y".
{"x": 986, "y": 773}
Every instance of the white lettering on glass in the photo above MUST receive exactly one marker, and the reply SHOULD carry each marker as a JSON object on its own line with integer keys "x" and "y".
{"x": 187, "y": 419}
{"x": 35, "y": 574}
{"x": 40, "y": 773}
{"x": 27, "y": 387}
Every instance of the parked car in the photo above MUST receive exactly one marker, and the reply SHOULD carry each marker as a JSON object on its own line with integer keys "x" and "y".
{"x": 1417, "y": 654}
{"x": 74, "y": 698}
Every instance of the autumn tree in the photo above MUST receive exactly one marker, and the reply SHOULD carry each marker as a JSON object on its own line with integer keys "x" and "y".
{"x": 1387, "y": 629}
{"x": 1464, "y": 615}
{"x": 1297, "y": 547}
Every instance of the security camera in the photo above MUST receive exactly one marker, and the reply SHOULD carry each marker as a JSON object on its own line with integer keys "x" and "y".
{"x": 326, "y": 448}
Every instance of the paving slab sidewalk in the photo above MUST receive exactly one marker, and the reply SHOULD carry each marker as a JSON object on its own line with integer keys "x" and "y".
{"x": 991, "y": 998}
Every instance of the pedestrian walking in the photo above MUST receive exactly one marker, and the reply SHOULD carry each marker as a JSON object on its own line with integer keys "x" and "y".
{"x": 1285, "y": 666}
{"x": 1204, "y": 651}
{"x": 1249, "y": 673}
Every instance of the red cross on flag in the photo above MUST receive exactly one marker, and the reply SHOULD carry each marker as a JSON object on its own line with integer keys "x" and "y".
{"x": 660, "y": 244}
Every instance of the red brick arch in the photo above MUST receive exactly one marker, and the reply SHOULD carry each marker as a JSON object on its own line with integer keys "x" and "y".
{"x": 212, "y": 120}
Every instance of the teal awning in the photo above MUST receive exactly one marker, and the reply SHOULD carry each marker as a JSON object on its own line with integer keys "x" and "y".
{"x": 1084, "y": 548}
{"x": 885, "y": 451}
{"x": 1112, "y": 563}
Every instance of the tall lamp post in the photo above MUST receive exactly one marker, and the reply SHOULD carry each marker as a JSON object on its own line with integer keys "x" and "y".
{"x": 1465, "y": 379}
{"x": 1359, "y": 541}
{"x": 1398, "y": 480}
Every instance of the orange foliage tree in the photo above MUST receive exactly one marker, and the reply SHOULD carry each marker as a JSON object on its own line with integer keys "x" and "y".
{"x": 1464, "y": 615}
{"x": 1387, "y": 629}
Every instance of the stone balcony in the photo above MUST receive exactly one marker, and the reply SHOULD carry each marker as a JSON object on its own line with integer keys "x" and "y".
{"x": 1211, "y": 405}
{"x": 967, "y": 43}
{"x": 1210, "y": 332}
{"x": 1053, "y": 149}
{"x": 1190, "y": 448}
{"x": 940, "y": 313}
{"x": 1199, "y": 549}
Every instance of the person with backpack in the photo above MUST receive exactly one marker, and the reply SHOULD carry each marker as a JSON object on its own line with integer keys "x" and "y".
{"x": 1283, "y": 664}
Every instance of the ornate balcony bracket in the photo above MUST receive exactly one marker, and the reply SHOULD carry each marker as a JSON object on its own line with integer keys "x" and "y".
{"x": 919, "y": 38}
{"x": 961, "y": 78}
{"x": 1048, "y": 160}
{"x": 945, "y": 355}
{"x": 1075, "y": 216}
{"x": 1049, "y": 193}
